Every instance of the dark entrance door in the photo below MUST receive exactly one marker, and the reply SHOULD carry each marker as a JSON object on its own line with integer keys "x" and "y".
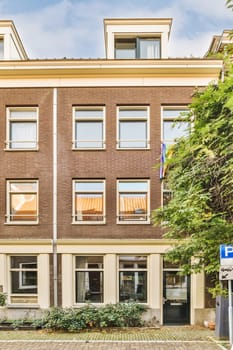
{"x": 176, "y": 298}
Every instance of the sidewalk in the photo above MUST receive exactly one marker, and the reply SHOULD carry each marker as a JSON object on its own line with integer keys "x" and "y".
{"x": 164, "y": 338}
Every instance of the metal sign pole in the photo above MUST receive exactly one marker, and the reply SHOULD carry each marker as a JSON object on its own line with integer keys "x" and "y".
{"x": 230, "y": 309}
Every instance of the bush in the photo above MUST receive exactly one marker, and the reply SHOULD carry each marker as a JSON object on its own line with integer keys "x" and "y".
{"x": 3, "y": 299}
{"x": 88, "y": 317}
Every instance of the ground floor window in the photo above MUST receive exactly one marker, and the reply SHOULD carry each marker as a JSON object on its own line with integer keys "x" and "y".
{"x": 89, "y": 279}
{"x": 23, "y": 282}
{"x": 133, "y": 278}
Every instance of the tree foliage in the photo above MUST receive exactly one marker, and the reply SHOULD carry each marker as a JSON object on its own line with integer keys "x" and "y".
{"x": 199, "y": 216}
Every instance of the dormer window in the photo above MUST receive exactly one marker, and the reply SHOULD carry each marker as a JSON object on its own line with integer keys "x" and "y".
{"x": 1, "y": 49}
{"x": 137, "y": 48}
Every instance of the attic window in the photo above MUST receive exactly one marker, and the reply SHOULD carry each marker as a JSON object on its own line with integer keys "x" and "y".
{"x": 1, "y": 48}
{"x": 137, "y": 48}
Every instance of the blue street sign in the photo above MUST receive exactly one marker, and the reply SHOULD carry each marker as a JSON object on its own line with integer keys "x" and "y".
{"x": 226, "y": 254}
{"x": 226, "y": 251}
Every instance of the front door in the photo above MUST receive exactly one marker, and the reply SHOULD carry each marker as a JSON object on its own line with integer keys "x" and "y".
{"x": 176, "y": 298}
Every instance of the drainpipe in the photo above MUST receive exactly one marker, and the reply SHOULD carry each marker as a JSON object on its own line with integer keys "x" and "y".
{"x": 55, "y": 274}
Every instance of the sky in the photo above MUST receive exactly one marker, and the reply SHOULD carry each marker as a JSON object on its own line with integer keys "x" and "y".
{"x": 74, "y": 28}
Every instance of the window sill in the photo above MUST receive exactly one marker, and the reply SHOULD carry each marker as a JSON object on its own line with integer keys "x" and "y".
{"x": 89, "y": 149}
{"x": 21, "y": 149}
{"x": 89, "y": 223}
{"x": 132, "y": 222}
{"x": 133, "y": 149}
{"x": 20, "y": 223}
{"x": 23, "y": 306}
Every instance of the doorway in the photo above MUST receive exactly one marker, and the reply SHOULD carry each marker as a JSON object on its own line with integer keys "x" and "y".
{"x": 176, "y": 297}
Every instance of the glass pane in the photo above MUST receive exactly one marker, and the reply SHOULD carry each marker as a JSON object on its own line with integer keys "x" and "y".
{"x": 91, "y": 262}
{"x": 88, "y": 113}
{"x": 1, "y": 49}
{"x": 23, "y": 135}
{"x": 133, "y": 134}
{"x": 133, "y": 286}
{"x": 85, "y": 186}
{"x": 23, "y": 207}
{"x": 89, "y": 207}
{"x": 132, "y": 262}
{"x": 125, "y": 48}
{"x": 24, "y": 281}
{"x": 167, "y": 196}
{"x": 89, "y": 286}
{"x": 172, "y": 131}
{"x": 89, "y": 134}
{"x": 21, "y": 261}
{"x": 173, "y": 113}
{"x": 176, "y": 286}
{"x": 23, "y": 186}
{"x": 23, "y": 114}
{"x": 136, "y": 186}
{"x": 133, "y": 206}
{"x": 149, "y": 48}
{"x": 132, "y": 113}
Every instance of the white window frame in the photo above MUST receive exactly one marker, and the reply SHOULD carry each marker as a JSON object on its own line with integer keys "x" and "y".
{"x": 91, "y": 119}
{"x": 87, "y": 269}
{"x": 20, "y": 271}
{"x": 136, "y": 41}
{"x": 8, "y": 201}
{"x": 24, "y": 269}
{"x": 131, "y": 119}
{"x": 132, "y": 221}
{"x": 104, "y": 202}
{"x": 133, "y": 270}
{"x": 170, "y": 119}
{"x": 30, "y": 120}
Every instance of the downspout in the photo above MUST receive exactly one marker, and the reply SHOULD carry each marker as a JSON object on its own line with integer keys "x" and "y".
{"x": 55, "y": 274}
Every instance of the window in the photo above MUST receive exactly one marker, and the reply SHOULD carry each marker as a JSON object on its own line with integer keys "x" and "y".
{"x": 89, "y": 279}
{"x": 137, "y": 48}
{"x": 89, "y": 201}
{"x": 167, "y": 193}
{"x": 133, "y": 127}
{"x": 88, "y": 129}
{"x": 174, "y": 125}
{"x": 1, "y": 48}
{"x": 22, "y": 202}
{"x": 133, "y": 201}
{"x": 22, "y": 128}
{"x": 133, "y": 278}
{"x": 23, "y": 281}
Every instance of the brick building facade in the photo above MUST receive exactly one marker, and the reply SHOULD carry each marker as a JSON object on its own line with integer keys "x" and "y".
{"x": 79, "y": 143}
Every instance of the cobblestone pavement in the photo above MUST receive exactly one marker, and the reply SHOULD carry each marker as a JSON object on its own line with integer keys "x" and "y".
{"x": 94, "y": 345}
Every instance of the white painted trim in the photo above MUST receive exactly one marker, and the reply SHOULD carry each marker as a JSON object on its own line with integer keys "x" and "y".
{"x": 68, "y": 279}
{"x": 138, "y": 81}
{"x": 43, "y": 281}
{"x": 55, "y": 273}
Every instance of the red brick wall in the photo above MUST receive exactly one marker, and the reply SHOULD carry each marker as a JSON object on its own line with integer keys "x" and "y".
{"x": 28, "y": 165}
{"x": 110, "y": 163}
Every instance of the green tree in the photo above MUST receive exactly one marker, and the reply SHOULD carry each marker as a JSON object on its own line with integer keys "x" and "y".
{"x": 229, "y": 4}
{"x": 199, "y": 217}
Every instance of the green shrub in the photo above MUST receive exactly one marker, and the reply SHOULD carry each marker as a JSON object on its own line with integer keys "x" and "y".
{"x": 89, "y": 316}
{"x": 3, "y": 299}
